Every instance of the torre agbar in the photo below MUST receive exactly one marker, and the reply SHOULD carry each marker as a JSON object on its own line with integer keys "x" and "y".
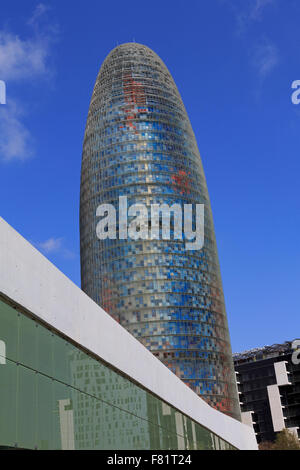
{"x": 139, "y": 143}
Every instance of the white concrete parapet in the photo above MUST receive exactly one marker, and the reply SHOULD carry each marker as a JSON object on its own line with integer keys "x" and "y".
{"x": 30, "y": 280}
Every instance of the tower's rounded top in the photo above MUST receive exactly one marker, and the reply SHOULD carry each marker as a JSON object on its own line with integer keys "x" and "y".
{"x": 132, "y": 48}
{"x": 132, "y": 45}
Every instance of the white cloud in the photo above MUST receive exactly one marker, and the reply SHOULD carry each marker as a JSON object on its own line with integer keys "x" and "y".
{"x": 248, "y": 11}
{"x": 265, "y": 58}
{"x": 52, "y": 245}
{"x": 16, "y": 142}
{"x": 55, "y": 246}
{"x": 39, "y": 11}
{"x": 257, "y": 9}
{"x": 23, "y": 59}
{"x": 27, "y": 58}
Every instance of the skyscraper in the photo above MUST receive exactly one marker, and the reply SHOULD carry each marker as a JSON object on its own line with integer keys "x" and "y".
{"x": 139, "y": 143}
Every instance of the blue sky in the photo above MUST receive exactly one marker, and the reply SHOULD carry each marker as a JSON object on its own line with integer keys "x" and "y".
{"x": 234, "y": 62}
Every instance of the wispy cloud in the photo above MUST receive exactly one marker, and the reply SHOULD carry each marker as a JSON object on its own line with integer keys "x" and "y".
{"x": 39, "y": 11}
{"x": 257, "y": 9}
{"x": 16, "y": 142}
{"x": 27, "y": 58}
{"x": 23, "y": 59}
{"x": 55, "y": 246}
{"x": 247, "y": 12}
{"x": 264, "y": 55}
{"x": 52, "y": 245}
{"x": 265, "y": 58}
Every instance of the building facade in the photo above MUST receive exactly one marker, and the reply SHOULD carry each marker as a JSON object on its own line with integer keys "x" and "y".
{"x": 73, "y": 378}
{"x": 139, "y": 143}
{"x": 269, "y": 389}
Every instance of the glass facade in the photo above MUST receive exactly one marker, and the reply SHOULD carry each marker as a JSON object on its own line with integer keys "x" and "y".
{"x": 53, "y": 395}
{"x": 139, "y": 143}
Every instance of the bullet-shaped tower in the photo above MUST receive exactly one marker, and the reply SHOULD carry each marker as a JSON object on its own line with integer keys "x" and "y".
{"x": 139, "y": 143}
